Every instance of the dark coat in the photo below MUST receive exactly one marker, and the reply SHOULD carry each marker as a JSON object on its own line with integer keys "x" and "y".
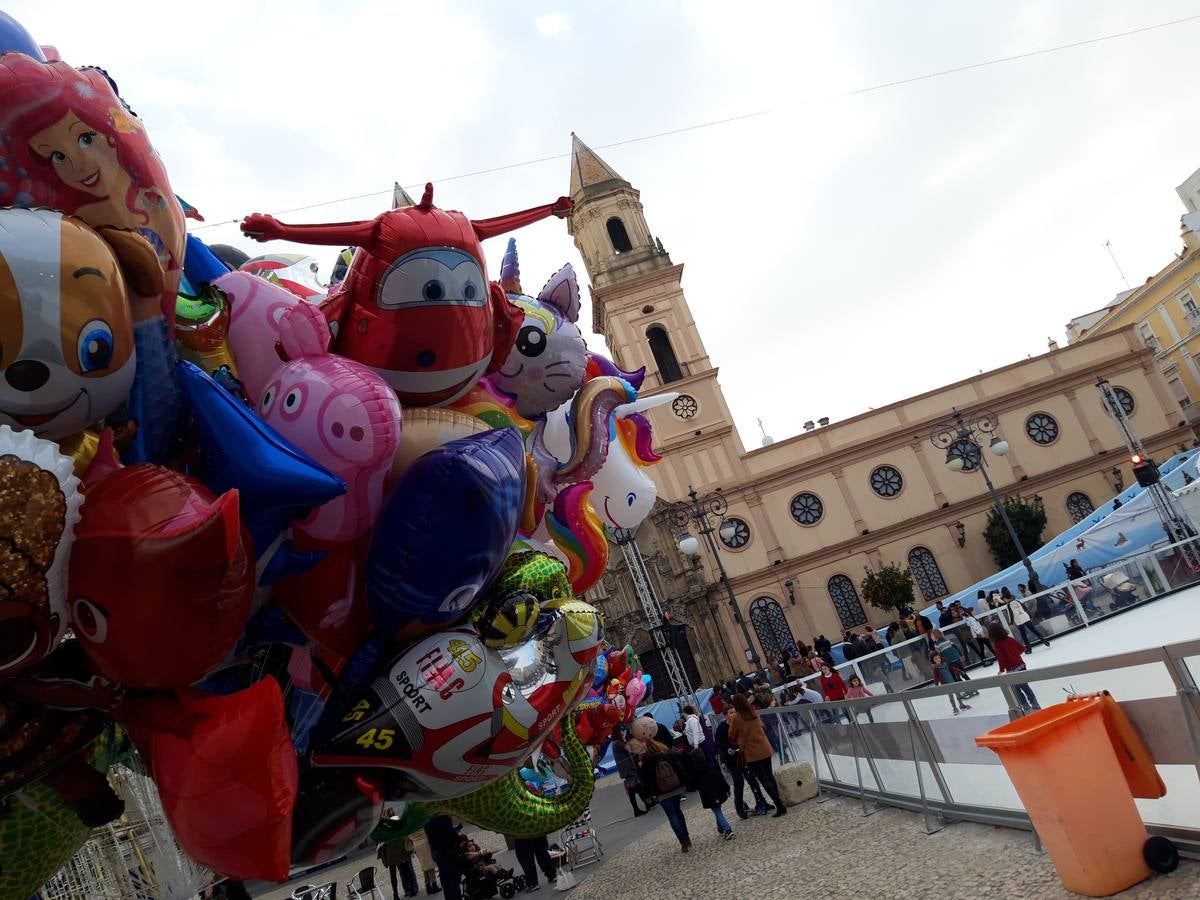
{"x": 626, "y": 764}
{"x": 648, "y": 768}
{"x": 707, "y": 779}
{"x": 725, "y": 745}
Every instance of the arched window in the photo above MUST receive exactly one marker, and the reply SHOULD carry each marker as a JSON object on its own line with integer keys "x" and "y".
{"x": 845, "y": 601}
{"x": 618, "y": 235}
{"x": 771, "y": 626}
{"x": 1079, "y": 506}
{"x": 926, "y": 573}
{"x": 664, "y": 354}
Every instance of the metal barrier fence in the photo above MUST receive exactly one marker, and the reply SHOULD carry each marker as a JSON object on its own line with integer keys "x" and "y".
{"x": 910, "y": 750}
{"x": 1066, "y": 607}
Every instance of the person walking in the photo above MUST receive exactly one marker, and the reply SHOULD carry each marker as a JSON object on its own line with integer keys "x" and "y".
{"x": 397, "y": 856}
{"x": 1008, "y": 655}
{"x": 1019, "y": 618}
{"x": 978, "y": 635}
{"x": 944, "y": 673}
{"x": 533, "y": 853}
{"x": 834, "y": 689}
{"x": 716, "y": 701}
{"x": 731, "y": 755}
{"x": 443, "y": 843}
{"x": 663, "y": 769}
{"x": 746, "y": 728}
{"x": 627, "y": 768}
{"x": 420, "y": 847}
{"x": 824, "y": 648}
{"x": 692, "y": 729}
{"x": 705, "y": 777}
{"x": 857, "y": 689}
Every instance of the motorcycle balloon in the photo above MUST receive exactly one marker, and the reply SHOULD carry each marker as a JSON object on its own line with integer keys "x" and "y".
{"x": 227, "y": 777}
{"x": 444, "y": 532}
{"x": 454, "y": 715}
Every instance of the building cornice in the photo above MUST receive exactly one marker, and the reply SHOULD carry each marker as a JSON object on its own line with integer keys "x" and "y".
{"x": 790, "y": 568}
{"x": 919, "y": 429}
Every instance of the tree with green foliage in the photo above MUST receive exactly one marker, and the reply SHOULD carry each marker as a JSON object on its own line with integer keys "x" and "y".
{"x": 890, "y": 588}
{"x": 1028, "y": 519}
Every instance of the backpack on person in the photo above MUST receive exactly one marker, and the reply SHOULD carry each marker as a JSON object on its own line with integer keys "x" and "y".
{"x": 666, "y": 779}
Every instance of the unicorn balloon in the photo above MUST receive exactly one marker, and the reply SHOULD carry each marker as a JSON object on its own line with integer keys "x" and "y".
{"x": 546, "y": 364}
{"x": 601, "y": 448}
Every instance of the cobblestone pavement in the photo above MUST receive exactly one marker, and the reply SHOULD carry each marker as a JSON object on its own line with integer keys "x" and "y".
{"x": 831, "y": 849}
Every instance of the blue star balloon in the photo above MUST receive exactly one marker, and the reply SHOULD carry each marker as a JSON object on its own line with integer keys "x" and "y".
{"x": 445, "y": 530}
{"x": 277, "y": 482}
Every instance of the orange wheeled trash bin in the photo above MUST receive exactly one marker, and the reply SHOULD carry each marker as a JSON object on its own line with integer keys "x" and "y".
{"x": 1077, "y": 767}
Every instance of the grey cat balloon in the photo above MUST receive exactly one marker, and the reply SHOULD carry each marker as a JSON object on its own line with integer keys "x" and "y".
{"x": 546, "y": 365}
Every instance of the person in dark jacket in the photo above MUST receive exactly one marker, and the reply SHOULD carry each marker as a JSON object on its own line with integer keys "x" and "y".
{"x": 729, "y": 754}
{"x": 628, "y": 770}
{"x": 824, "y": 648}
{"x": 705, "y": 777}
{"x": 443, "y": 837}
{"x": 664, "y": 769}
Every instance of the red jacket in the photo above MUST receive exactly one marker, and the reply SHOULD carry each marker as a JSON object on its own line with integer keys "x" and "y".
{"x": 1008, "y": 653}
{"x": 833, "y": 687}
{"x": 718, "y": 705}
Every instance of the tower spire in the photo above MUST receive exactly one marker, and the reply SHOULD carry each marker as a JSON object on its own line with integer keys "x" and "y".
{"x": 588, "y": 169}
{"x": 400, "y": 197}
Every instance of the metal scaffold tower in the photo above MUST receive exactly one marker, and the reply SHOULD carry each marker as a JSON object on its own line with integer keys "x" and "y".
{"x": 1176, "y": 526}
{"x": 643, "y": 586}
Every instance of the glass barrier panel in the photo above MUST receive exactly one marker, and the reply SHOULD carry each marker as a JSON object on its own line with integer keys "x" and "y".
{"x": 971, "y": 774}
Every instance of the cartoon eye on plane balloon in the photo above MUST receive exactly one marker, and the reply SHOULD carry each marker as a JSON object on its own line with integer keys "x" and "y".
{"x": 416, "y": 304}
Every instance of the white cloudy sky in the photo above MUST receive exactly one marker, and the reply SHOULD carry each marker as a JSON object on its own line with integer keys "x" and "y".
{"x": 842, "y": 252}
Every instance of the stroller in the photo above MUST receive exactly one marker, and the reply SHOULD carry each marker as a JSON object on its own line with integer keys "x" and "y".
{"x": 477, "y": 885}
{"x": 480, "y": 884}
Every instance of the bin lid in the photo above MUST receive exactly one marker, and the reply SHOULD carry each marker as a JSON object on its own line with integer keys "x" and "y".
{"x": 1136, "y": 762}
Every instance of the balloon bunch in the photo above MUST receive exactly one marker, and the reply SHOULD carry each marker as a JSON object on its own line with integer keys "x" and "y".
{"x": 619, "y": 687}
{"x": 311, "y": 552}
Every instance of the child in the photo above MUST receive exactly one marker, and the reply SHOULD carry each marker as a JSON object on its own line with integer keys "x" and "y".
{"x": 857, "y": 689}
{"x": 944, "y": 673}
{"x": 953, "y": 657}
{"x": 483, "y": 863}
{"x": 1008, "y": 654}
{"x": 834, "y": 688}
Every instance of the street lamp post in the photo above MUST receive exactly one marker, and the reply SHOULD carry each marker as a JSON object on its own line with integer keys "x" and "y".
{"x": 698, "y": 511}
{"x": 961, "y": 438}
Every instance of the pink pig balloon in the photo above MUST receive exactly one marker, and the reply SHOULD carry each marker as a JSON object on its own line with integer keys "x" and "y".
{"x": 255, "y": 309}
{"x": 340, "y": 413}
{"x": 635, "y": 690}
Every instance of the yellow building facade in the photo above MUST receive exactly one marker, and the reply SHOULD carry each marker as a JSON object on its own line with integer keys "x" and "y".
{"x": 1165, "y": 311}
{"x": 812, "y": 512}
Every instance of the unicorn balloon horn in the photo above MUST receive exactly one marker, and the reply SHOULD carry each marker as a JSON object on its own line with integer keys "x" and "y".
{"x": 510, "y": 270}
{"x": 639, "y": 406}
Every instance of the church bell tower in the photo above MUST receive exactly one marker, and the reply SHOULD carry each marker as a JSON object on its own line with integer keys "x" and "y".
{"x": 639, "y": 307}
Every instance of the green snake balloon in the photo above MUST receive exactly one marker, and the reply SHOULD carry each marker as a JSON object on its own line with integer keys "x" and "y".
{"x": 507, "y": 806}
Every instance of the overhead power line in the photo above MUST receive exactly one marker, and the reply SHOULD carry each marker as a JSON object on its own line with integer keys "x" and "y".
{"x": 883, "y": 85}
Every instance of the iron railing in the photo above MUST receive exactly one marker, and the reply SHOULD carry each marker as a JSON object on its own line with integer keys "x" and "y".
{"x": 910, "y": 750}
